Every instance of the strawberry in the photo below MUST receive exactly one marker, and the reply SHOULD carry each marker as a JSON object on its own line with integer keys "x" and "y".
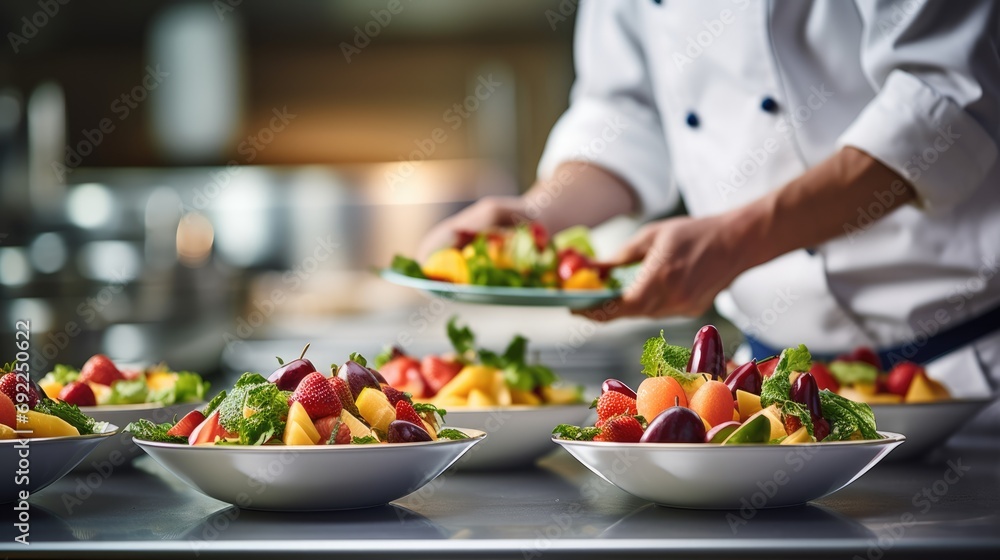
{"x": 621, "y": 429}
{"x": 78, "y": 393}
{"x": 395, "y": 395}
{"x": 540, "y": 234}
{"x": 821, "y": 428}
{"x": 899, "y": 379}
{"x": 613, "y": 403}
{"x": 332, "y": 431}
{"x": 403, "y": 373}
{"x": 438, "y": 371}
{"x": 100, "y": 369}
{"x": 12, "y": 383}
{"x": 343, "y": 391}
{"x": 186, "y": 425}
{"x": 317, "y": 396}
{"x": 405, "y": 411}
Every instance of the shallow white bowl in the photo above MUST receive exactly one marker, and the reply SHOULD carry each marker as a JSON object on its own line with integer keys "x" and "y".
{"x": 925, "y": 425}
{"x": 518, "y": 434}
{"x": 309, "y": 477}
{"x": 49, "y": 459}
{"x": 706, "y": 476}
{"x": 119, "y": 449}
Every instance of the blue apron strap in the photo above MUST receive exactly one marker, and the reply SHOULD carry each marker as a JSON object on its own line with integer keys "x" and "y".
{"x": 921, "y": 350}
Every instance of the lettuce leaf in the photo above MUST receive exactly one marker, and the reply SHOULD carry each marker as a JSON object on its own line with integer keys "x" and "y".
{"x": 850, "y": 373}
{"x": 188, "y": 387}
{"x": 576, "y": 237}
{"x": 462, "y": 338}
{"x": 62, "y": 373}
{"x": 407, "y": 267}
{"x": 126, "y": 391}
{"x": 659, "y": 359}
{"x": 847, "y": 417}
{"x": 777, "y": 388}
{"x": 268, "y": 406}
{"x": 148, "y": 431}
{"x": 576, "y": 433}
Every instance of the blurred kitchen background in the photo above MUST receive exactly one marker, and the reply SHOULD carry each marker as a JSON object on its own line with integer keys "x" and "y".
{"x": 211, "y": 184}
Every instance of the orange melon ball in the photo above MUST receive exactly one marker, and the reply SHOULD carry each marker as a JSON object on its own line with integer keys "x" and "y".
{"x": 713, "y": 401}
{"x": 657, "y": 394}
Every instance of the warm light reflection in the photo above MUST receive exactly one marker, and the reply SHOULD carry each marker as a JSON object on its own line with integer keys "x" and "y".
{"x": 195, "y": 236}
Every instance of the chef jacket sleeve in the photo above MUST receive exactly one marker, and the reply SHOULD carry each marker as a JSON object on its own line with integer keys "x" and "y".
{"x": 936, "y": 117}
{"x": 612, "y": 120}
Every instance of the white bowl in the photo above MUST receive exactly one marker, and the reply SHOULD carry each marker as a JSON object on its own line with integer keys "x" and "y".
{"x": 925, "y": 425}
{"x": 119, "y": 449}
{"x": 708, "y": 476}
{"x": 518, "y": 434}
{"x": 309, "y": 477}
{"x": 49, "y": 459}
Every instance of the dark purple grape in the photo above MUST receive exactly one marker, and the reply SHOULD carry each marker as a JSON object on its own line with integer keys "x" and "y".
{"x": 745, "y": 378}
{"x": 401, "y": 431}
{"x": 805, "y": 391}
{"x": 676, "y": 424}
{"x": 358, "y": 377}
{"x": 378, "y": 376}
{"x": 618, "y": 387}
{"x": 707, "y": 355}
{"x": 288, "y": 376}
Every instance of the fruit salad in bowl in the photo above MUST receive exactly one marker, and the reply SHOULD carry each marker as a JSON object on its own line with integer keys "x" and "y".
{"x": 500, "y": 393}
{"x": 699, "y": 437}
{"x": 904, "y": 399}
{"x": 119, "y": 395}
{"x": 51, "y": 437}
{"x": 311, "y": 425}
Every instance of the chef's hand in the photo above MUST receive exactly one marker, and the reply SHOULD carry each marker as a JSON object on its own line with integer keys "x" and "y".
{"x": 686, "y": 262}
{"x": 484, "y": 213}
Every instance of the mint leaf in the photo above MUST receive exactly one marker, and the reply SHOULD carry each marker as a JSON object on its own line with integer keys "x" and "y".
{"x": 462, "y": 338}
{"x": 363, "y": 440}
{"x": 850, "y": 373}
{"x": 451, "y": 433}
{"x": 515, "y": 350}
{"x": 576, "y": 433}
{"x": 407, "y": 267}
{"x": 659, "y": 359}
{"x": 428, "y": 408}
{"x": 383, "y": 357}
{"x": 847, "y": 417}
{"x": 148, "y": 431}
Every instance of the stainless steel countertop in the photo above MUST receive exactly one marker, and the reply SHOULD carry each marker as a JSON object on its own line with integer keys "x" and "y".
{"x": 555, "y": 510}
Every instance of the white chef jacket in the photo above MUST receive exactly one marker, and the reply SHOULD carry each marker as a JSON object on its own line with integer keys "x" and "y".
{"x": 725, "y": 100}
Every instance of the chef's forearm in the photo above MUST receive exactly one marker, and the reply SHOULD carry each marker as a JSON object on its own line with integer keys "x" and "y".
{"x": 817, "y": 206}
{"x": 578, "y": 193}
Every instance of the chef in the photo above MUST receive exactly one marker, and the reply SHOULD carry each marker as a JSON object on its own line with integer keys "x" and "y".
{"x": 838, "y": 162}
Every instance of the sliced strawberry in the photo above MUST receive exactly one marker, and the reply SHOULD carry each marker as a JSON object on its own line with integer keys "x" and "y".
{"x": 438, "y": 372}
{"x": 899, "y": 379}
{"x": 405, "y": 411}
{"x": 100, "y": 369}
{"x": 343, "y": 391}
{"x": 540, "y": 234}
{"x": 570, "y": 261}
{"x": 395, "y": 395}
{"x": 187, "y": 424}
{"x": 209, "y": 430}
{"x": 326, "y": 426}
{"x": 317, "y": 396}
{"x": 621, "y": 429}
{"x": 403, "y": 373}
{"x": 78, "y": 393}
{"x": 613, "y": 403}
{"x": 13, "y": 383}
{"x": 342, "y": 436}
